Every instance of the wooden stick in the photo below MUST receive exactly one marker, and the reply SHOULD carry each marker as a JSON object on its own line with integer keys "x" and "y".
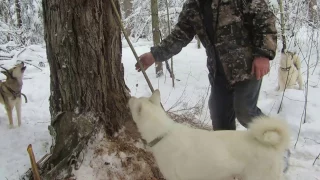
{"x": 36, "y": 175}
{"x": 131, "y": 46}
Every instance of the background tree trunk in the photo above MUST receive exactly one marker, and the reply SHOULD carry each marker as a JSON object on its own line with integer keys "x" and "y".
{"x": 283, "y": 24}
{"x": 156, "y": 33}
{"x": 4, "y": 13}
{"x": 127, "y": 8}
{"x": 313, "y": 14}
{"x": 18, "y": 13}
{"x": 87, "y": 77}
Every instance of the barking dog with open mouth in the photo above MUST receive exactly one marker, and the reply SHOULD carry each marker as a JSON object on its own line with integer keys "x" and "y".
{"x": 186, "y": 153}
{"x": 289, "y": 71}
{"x": 10, "y": 91}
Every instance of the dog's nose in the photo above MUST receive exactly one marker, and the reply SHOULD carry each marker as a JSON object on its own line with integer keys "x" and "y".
{"x": 22, "y": 63}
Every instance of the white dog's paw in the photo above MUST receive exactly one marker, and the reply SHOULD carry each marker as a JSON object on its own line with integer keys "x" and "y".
{"x": 10, "y": 126}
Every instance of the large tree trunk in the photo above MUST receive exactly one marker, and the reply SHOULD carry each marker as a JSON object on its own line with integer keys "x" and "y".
{"x": 18, "y": 13}
{"x": 156, "y": 33}
{"x": 87, "y": 76}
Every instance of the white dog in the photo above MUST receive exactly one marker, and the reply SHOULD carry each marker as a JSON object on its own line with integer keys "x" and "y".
{"x": 289, "y": 71}
{"x": 185, "y": 153}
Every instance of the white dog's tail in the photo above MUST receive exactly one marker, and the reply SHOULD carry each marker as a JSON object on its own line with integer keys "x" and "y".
{"x": 271, "y": 132}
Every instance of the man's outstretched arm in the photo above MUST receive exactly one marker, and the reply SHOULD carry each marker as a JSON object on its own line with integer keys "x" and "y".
{"x": 181, "y": 35}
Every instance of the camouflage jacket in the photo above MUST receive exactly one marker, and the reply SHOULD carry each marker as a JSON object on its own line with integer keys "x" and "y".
{"x": 245, "y": 29}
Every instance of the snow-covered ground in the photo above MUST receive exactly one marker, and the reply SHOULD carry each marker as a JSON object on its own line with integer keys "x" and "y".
{"x": 191, "y": 88}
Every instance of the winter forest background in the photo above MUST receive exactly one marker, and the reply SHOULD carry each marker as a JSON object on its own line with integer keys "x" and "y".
{"x": 21, "y": 20}
{"x": 22, "y": 38}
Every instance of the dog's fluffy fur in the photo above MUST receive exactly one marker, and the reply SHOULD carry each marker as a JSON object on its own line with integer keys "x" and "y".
{"x": 289, "y": 66}
{"x": 10, "y": 91}
{"x": 185, "y": 153}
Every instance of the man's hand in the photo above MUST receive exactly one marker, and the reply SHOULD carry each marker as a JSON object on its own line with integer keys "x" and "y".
{"x": 260, "y": 67}
{"x": 146, "y": 60}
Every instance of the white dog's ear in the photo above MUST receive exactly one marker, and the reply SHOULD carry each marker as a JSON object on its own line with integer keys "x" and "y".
{"x": 155, "y": 97}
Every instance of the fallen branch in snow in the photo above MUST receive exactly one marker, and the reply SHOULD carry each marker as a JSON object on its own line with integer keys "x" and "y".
{"x": 314, "y": 162}
{"x": 4, "y": 59}
{"x": 21, "y": 52}
{"x": 6, "y": 56}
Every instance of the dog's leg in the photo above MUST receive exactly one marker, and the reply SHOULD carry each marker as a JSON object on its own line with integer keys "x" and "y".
{"x": 278, "y": 87}
{"x": 281, "y": 85}
{"x": 300, "y": 81}
{"x": 9, "y": 113}
{"x": 297, "y": 62}
{"x": 18, "y": 109}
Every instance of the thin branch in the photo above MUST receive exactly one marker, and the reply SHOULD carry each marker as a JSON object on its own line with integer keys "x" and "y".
{"x": 304, "y": 114}
{"x": 169, "y": 29}
{"x": 314, "y": 162}
{"x": 318, "y": 54}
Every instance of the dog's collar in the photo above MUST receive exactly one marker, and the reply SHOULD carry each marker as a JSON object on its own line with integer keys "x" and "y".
{"x": 285, "y": 69}
{"x": 16, "y": 94}
{"x": 156, "y": 140}
{"x": 13, "y": 92}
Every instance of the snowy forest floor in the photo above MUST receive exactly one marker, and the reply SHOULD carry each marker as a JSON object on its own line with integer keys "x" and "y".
{"x": 190, "y": 94}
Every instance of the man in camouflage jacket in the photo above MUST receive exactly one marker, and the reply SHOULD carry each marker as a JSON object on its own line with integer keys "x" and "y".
{"x": 240, "y": 38}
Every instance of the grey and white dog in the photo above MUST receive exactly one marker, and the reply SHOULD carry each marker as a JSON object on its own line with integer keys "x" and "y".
{"x": 10, "y": 91}
{"x": 289, "y": 71}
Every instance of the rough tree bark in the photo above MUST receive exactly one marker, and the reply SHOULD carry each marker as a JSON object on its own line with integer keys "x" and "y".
{"x": 87, "y": 77}
{"x": 156, "y": 33}
{"x": 18, "y": 13}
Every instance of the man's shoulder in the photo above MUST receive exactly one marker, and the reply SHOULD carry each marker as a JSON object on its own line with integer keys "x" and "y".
{"x": 191, "y": 4}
